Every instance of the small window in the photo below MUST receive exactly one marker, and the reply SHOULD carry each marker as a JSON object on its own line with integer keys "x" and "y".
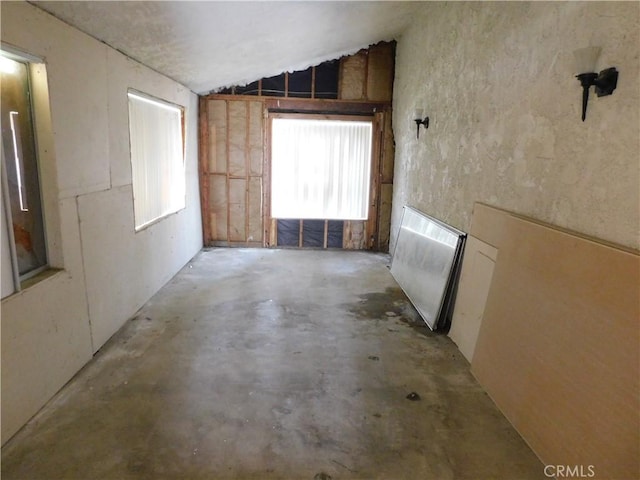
{"x": 24, "y": 249}
{"x": 157, "y": 158}
{"x": 320, "y": 169}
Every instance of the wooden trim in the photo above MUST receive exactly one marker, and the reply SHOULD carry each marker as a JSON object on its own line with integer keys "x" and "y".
{"x": 203, "y": 130}
{"x": 302, "y": 105}
{"x": 309, "y": 104}
{"x": 286, "y": 84}
{"x": 316, "y": 116}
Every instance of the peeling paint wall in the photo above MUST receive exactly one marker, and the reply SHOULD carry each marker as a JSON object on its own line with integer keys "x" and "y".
{"x": 51, "y": 329}
{"x": 497, "y": 80}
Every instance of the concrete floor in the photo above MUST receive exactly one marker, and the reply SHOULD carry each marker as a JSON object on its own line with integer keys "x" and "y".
{"x": 267, "y": 364}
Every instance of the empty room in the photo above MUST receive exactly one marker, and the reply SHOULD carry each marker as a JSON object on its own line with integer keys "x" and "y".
{"x": 320, "y": 240}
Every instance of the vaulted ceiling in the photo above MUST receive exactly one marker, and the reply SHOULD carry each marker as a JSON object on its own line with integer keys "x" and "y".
{"x": 210, "y": 45}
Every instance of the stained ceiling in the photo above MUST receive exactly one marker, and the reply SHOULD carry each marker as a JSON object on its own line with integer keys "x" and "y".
{"x": 210, "y": 45}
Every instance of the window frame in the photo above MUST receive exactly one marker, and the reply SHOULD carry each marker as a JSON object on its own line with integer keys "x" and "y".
{"x": 42, "y": 138}
{"x": 162, "y": 103}
{"x": 368, "y": 118}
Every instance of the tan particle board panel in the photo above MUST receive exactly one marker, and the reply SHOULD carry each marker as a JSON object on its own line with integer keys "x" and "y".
{"x": 559, "y": 348}
{"x": 353, "y": 77}
{"x": 255, "y": 209}
{"x": 237, "y": 137}
{"x": 380, "y": 72}
{"x": 217, "y": 113}
{"x": 237, "y": 209}
{"x": 354, "y": 236}
{"x": 473, "y": 290}
{"x": 218, "y": 206}
{"x": 256, "y": 141}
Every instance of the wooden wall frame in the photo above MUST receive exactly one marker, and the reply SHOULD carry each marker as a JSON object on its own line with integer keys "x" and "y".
{"x": 365, "y": 85}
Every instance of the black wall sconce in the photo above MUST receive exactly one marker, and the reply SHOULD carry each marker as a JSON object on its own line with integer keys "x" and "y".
{"x": 420, "y": 121}
{"x": 605, "y": 82}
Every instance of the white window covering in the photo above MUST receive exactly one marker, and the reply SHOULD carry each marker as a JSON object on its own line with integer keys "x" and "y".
{"x": 157, "y": 161}
{"x": 320, "y": 169}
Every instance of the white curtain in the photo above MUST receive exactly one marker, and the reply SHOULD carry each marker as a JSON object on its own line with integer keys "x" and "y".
{"x": 320, "y": 169}
{"x": 157, "y": 161}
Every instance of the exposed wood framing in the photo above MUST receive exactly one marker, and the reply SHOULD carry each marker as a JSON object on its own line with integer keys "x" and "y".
{"x": 286, "y": 84}
{"x": 241, "y": 191}
{"x": 325, "y": 239}
{"x": 247, "y": 168}
{"x": 228, "y": 180}
{"x": 203, "y": 170}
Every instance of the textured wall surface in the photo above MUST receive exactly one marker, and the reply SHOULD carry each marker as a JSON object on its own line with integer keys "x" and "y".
{"x": 498, "y": 82}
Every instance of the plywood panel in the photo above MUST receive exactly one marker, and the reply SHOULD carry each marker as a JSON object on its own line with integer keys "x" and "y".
{"x": 255, "y": 209}
{"x": 237, "y": 210}
{"x": 218, "y": 206}
{"x": 380, "y": 72}
{"x": 256, "y": 137}
{"x": 238, "y": 112}
{"x": 558, "y": 349}
{"x": 353, "y": 75}
{"x": 354, "y": 235}
{"x": 217, "y": 114}
{"x": 475, "y": 280}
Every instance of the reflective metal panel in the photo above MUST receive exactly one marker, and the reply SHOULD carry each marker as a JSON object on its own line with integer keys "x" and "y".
{"x": 426, "y": 253}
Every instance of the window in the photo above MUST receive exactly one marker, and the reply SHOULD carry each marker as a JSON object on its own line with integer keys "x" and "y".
{"x": 157, "y": 158}
{"x": 320, "y": 168}
{"x": 24, "y": 249}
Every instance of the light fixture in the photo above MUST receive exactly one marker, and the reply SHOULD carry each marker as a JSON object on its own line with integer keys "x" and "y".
{"x": 605, "y": 82}
{"x": 420, "y": 121}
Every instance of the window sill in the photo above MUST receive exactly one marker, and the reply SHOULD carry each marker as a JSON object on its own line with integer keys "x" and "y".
{"x": 49, "y": 272}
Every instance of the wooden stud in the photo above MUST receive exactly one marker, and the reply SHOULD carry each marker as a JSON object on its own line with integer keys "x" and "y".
{"x": 247, "y": 167}
{"x": 330, "y": 106}
{"x": 274, "y": 232}
{"x": 286, "y": 84}
{"x": 376, "y": 164}
{"x": 228, "y": 184}
{"x": 270, "y": 235}
{"x": 325, "y": 242}
{"x": 322, "y": 107}
{"x": 300, "y": 239}
{"x": 203, "y": 124}
{"x": 365, "y": 93}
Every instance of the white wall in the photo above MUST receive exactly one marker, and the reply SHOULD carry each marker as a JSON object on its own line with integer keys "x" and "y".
{"x": 50, "y": 330}
{"x": 497, "y": 80}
